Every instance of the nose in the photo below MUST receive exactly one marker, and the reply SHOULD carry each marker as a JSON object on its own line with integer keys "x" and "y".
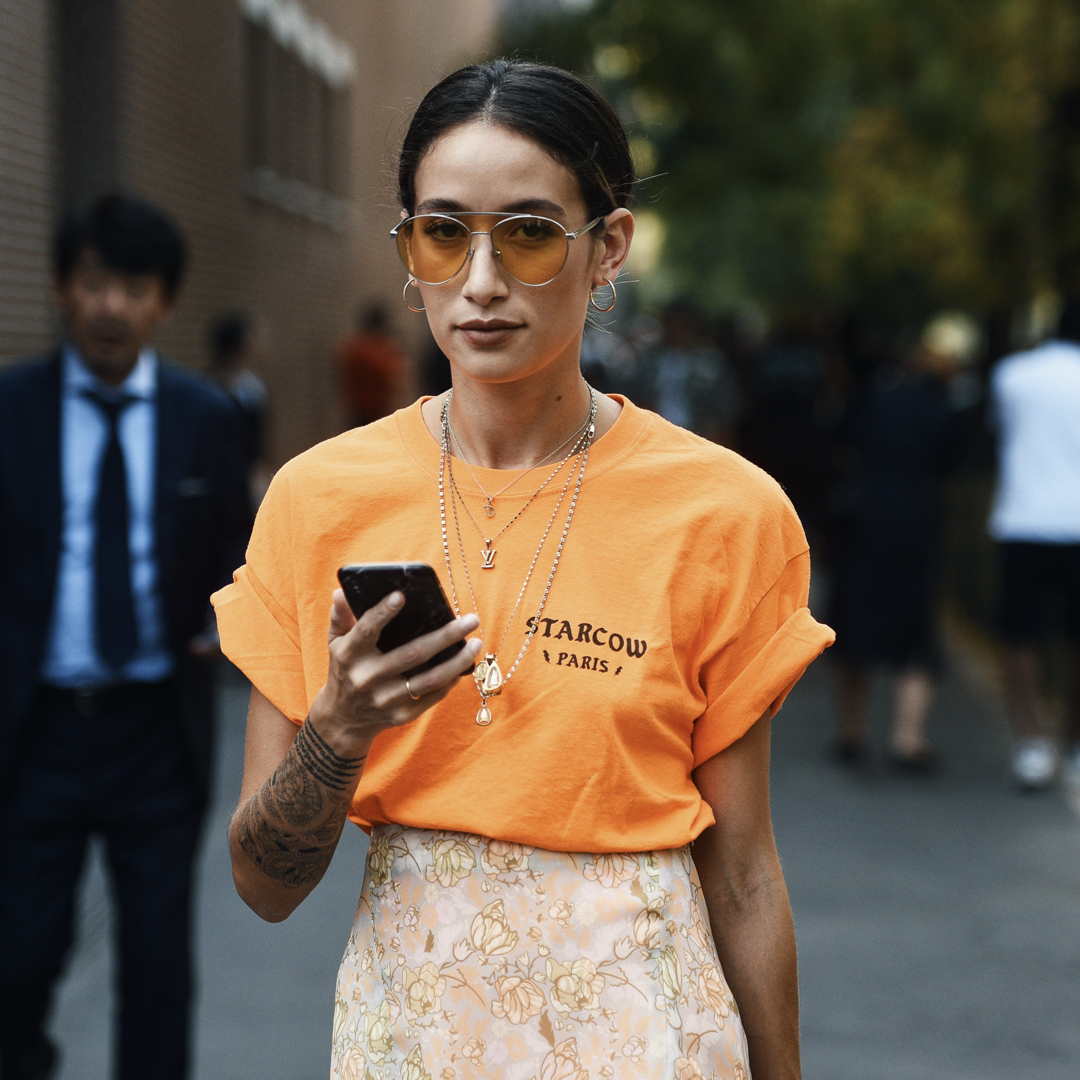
{"x": 485, "y": 278}
{"x": 114, "y": 299}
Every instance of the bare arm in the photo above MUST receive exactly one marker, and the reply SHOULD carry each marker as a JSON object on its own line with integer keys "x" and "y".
{"x": 748, "y": 902}
{"x": 299, "y": 781}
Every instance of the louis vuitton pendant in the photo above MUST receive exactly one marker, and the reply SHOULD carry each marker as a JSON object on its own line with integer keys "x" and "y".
{"x": 488, "y": 555}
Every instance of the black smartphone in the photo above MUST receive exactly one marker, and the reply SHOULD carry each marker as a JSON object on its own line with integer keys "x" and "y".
{"x": 425, "y": 610}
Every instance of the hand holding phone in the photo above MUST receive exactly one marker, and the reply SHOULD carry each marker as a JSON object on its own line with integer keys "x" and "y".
{"x": 426, "y": 608}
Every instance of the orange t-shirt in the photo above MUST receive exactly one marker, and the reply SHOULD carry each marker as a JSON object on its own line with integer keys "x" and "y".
{"x": 677, "y": 617}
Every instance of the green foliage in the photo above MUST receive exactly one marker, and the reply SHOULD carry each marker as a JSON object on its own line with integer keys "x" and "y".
{"x": 879, "y": 155}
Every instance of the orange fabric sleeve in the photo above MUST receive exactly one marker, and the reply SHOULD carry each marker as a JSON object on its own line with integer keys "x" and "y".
{"x": 754, "y": 672}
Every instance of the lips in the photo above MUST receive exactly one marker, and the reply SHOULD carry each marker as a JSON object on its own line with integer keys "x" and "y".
{"x": 487, "y": 332}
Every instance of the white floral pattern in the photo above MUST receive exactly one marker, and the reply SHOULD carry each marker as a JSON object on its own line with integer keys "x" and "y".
{"x": 473, "y": 958}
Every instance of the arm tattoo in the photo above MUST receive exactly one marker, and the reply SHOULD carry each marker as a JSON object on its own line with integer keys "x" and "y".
{"x": 326, "y": 766}
{"x": 290, "y": 827}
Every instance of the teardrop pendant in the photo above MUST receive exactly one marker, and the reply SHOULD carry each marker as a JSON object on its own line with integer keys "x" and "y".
{"x": 483, "y": 717}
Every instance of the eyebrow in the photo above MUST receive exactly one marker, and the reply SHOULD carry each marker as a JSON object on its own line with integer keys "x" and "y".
{"x": 522, "y": 206}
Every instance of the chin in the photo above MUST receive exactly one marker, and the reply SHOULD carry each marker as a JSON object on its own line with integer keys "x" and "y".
{"x": 494, "y": 366}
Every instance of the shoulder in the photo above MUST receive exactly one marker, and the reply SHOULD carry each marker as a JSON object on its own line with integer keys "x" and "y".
{"x": 364, "y": 455}
{"x": 688, "y": 461}
{"x": 1049, "y": 360}
{"x": 38, "y": 373}
{"x": 194, "y": 389}
{"x": 365, "y": 449}
{"x": 711, "y": 490}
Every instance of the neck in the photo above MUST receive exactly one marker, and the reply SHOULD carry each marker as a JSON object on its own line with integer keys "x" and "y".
{"x": 112, "y": 372}
{"x": 515, "y": 425}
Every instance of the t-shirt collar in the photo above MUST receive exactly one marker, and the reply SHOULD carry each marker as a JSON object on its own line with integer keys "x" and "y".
{"x": 615, "y": 444}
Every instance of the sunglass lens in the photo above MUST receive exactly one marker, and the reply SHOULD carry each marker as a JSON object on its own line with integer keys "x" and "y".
{"x": 433, "y": 248}
{"x": 533, "y": 250}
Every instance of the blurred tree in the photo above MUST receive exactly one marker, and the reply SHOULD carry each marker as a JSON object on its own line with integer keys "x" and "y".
{"x": 884, "y": 156}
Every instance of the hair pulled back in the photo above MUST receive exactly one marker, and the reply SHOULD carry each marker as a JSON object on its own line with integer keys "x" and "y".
{"x": 556, "y": 109}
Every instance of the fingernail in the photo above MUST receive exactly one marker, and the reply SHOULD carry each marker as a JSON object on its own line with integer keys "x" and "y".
{"x": 476, "y": 645}
{"x": 395, "y": 600}
{"x": 470, "y": 622}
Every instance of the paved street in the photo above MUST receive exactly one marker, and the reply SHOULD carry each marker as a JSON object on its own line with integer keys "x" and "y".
{"x": 939, "y": 921}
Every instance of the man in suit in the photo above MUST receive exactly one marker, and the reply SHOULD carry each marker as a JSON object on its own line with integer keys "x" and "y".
{"x": 123, "y": 505}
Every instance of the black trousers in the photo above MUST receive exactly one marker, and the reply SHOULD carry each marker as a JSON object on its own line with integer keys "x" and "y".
{"x": 114, "y": 766}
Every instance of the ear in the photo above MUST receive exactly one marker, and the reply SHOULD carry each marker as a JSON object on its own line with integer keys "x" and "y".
{"x": 614, "y": 245}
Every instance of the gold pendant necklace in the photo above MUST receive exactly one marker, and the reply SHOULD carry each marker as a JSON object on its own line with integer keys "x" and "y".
{"x": 489, "y": 503}
{"x": 487, "y": 674}
{"x": 488, "y": 553}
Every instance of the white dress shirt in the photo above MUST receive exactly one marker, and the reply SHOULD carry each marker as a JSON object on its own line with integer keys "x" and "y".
{"x": 1036, "y": 401}
{"x": 71, "y": 658}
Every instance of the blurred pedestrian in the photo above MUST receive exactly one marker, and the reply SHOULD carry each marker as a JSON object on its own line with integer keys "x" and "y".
{"x": 788, "y": 427}
{"x": 123, "y": 503}
{"x": 902, "y": 437}
{"x": 371, "y": 369}
{"x": 688, "y": 381}
{"x": 232, "y": 354}
{"x": 1036, "y": 521}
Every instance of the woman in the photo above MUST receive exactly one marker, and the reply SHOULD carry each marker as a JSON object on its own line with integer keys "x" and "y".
{"x": 643, "y": 602}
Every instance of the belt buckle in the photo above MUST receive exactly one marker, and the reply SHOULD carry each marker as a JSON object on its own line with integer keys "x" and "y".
{"x": 85, "y": 702}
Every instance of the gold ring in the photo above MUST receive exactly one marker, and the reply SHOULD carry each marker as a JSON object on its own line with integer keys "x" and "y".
{"x": 415, "y": 697}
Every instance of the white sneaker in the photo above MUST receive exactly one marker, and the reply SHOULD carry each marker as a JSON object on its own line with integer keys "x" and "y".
{"x": 1034, "y": 763}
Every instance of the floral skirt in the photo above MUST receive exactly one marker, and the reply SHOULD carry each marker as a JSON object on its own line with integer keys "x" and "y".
{"x": 473, "y": 958}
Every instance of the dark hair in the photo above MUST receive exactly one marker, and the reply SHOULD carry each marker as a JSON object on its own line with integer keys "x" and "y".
{"x": 228, "y": 333}
{"x": 561, "y": 112}
{"x": 129, "y": 235}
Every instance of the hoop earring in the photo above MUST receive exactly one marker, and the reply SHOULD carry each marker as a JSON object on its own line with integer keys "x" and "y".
{"x": 592, "y": 296}
{"x": 404, "y": 296}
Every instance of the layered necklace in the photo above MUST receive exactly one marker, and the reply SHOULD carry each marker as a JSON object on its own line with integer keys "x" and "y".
{"x": 489, "y": 499}
{"x": 487, "y": 674}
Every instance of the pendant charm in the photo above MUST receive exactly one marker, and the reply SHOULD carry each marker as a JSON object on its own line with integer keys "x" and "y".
{"x": 488, "y": 555}
{"x": 483, "y": 717}
{"x": 489, "y": 510}
{"x": 489, "y": 678}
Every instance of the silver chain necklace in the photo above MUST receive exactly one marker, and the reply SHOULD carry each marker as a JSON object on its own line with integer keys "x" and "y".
{"x": 487, "y": 674}
{"x": 489, "y": 553}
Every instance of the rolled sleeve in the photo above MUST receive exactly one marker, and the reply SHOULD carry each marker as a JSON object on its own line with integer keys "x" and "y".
{"x": 256, "y": 614}
{"x": 753, "y": 673}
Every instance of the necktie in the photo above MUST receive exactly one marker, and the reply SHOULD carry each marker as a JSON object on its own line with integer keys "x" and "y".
{"x": 116, "y": 629}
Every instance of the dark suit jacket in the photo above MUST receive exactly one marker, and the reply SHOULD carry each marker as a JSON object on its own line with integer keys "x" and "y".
{"x": 202, "y": 521}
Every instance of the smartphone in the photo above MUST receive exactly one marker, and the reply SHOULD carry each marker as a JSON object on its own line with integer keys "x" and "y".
{"x": 425, "y": 610}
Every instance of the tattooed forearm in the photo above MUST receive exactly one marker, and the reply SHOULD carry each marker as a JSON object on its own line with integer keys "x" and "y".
{"x": 322, "y": 762}
{"x": 290, "y": 827}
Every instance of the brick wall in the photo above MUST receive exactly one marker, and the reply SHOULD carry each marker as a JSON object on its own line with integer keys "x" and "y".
{"x": 26, "y": 177}
{"x": 183, "y": 145}
{"x": 181, "y": 141}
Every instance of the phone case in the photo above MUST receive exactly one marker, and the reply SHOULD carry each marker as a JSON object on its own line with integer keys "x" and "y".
{"x": 426, "y": 608}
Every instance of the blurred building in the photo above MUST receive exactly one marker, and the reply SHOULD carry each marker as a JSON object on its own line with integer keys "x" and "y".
{"x": 266, "y": 127}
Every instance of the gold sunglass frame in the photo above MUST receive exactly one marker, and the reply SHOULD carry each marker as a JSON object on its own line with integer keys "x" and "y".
{"x": 503, "y": 218}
